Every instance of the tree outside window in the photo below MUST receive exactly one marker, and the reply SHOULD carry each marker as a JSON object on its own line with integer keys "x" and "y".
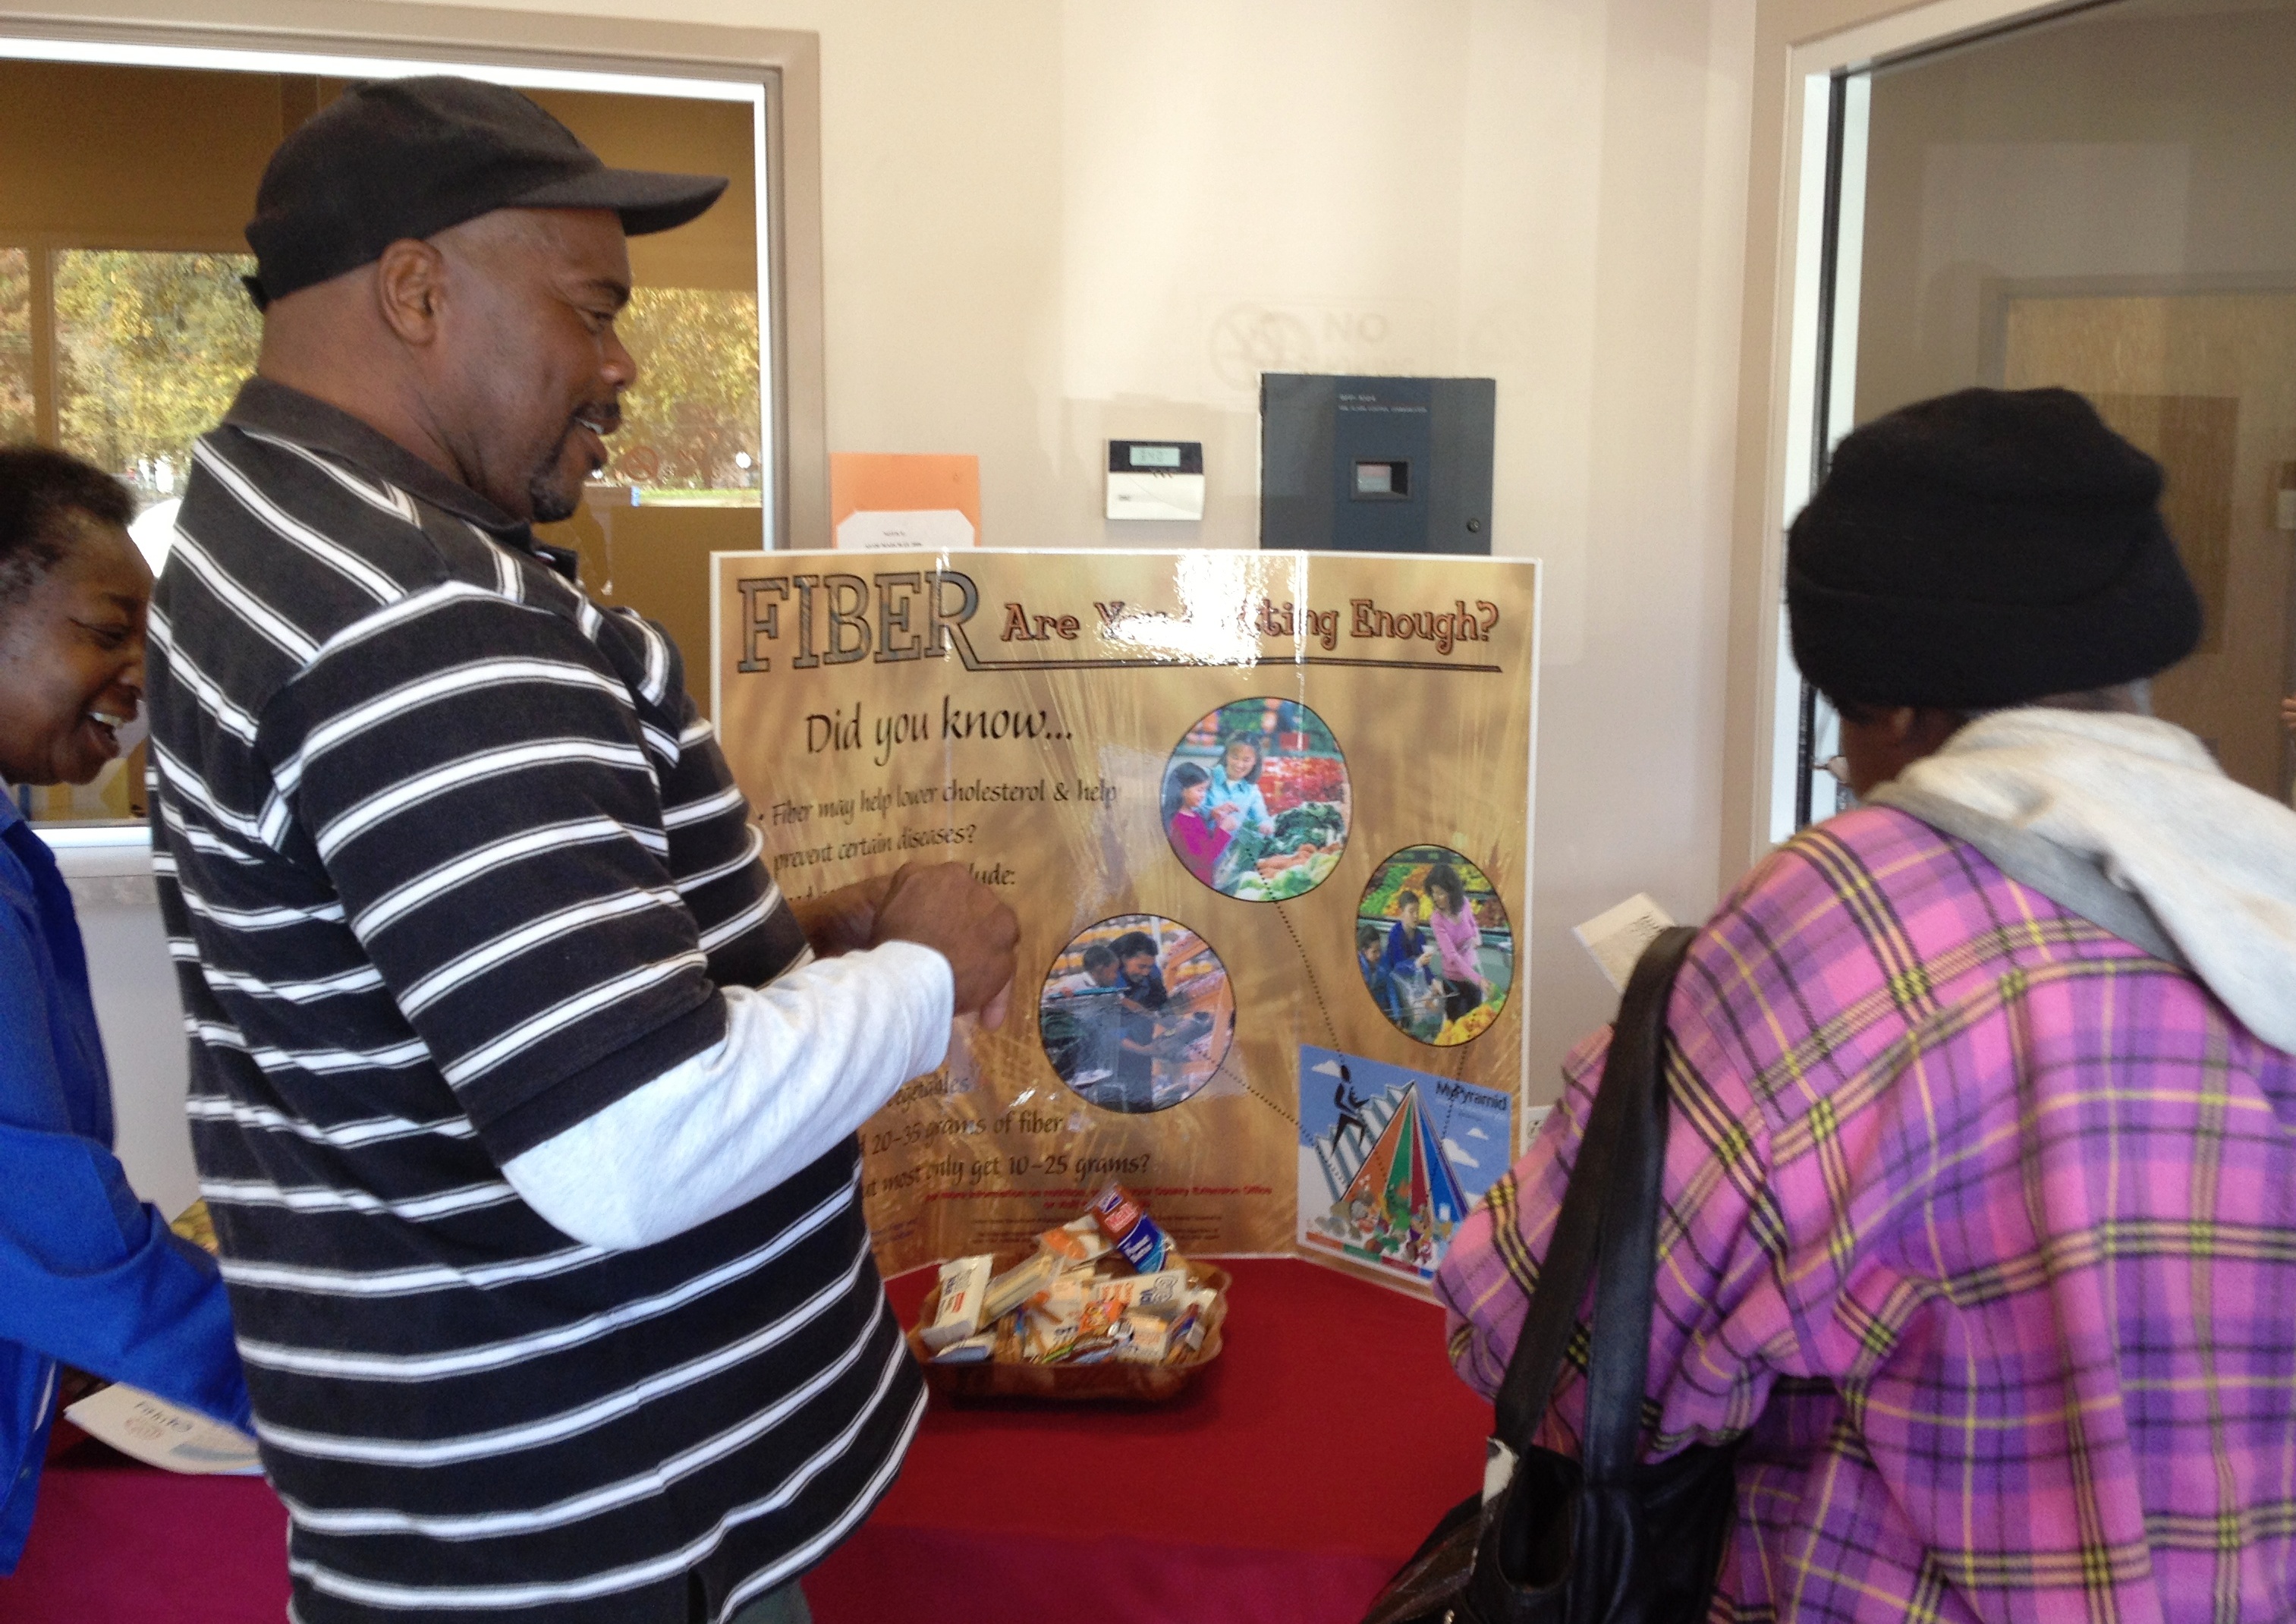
{"x": 689, "y": 427}
{"x": 150, "y": 349}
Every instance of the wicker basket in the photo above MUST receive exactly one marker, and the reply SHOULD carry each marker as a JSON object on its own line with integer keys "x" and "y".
{"x": 1109, "y": 1378}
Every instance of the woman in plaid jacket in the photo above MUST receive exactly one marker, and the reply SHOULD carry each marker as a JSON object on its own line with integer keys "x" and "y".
{"x": 1981, "y": 1195}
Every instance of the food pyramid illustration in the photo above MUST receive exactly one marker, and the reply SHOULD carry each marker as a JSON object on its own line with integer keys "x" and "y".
{"x": 1395, "y": 1198}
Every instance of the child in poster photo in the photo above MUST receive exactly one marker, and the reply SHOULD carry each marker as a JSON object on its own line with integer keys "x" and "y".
{"x": 1233, "y": 799}
{"x": 1399, "y": 965}
{"x": 1096, "y": 996}
{"x": 1197, "y": 837}
{"x": 1100, "y": 971}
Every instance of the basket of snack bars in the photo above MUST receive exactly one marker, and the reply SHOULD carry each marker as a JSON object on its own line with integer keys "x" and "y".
{"x": 1104, "y": 1308}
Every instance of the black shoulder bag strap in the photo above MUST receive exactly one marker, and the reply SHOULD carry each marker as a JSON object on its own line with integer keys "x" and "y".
{"x": 1609, "y": 1214}
{"x": 1555, "y": 1540}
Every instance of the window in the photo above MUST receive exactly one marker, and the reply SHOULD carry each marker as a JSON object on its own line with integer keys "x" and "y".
{"x": 125, "y": 329}
{"x": 2101, "y": 202}
{"x": 689, "y": 427}
{"x": 150, "y": 348}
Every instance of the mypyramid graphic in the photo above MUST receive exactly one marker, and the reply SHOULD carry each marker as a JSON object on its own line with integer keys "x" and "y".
{"x": 1394, "y": 1160}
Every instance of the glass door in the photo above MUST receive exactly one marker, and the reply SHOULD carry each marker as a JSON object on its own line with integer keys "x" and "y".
{"x": 2105, "y": 201}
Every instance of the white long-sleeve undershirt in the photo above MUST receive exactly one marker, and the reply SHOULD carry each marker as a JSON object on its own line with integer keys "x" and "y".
{"x": 804, "y": 1063}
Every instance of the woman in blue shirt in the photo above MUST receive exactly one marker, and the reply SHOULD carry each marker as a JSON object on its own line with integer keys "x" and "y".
{"x": 89, "y": 1275}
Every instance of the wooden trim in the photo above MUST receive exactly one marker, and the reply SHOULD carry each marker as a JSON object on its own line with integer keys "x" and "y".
{"x": 786, "y": 61}
{"x": 800, "y": 376}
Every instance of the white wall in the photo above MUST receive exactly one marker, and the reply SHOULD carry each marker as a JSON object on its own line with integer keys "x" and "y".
{"x": 143, "y": 1024}
{"x": 140, "y": 1016}
{"x": 1046, "y": 224}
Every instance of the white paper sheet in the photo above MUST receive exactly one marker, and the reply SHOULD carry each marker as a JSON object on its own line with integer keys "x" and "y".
{"x": 932, "y": 529}
{"x": 1616, "y": 937}
{"x": 163, "y": 1434}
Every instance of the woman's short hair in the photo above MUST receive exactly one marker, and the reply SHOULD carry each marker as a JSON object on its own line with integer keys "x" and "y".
{"x": 37, "y": 488}
{"x": 1444, "y": 878}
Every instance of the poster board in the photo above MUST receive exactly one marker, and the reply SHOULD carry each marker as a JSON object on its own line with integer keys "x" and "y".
{"x": 1264, "y": 818}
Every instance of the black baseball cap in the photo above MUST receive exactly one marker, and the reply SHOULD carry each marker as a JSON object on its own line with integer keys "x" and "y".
{"x": 391, "y": 159}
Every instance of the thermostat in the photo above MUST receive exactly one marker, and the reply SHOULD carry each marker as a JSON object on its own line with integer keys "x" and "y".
{"x": 1156, "y": 478}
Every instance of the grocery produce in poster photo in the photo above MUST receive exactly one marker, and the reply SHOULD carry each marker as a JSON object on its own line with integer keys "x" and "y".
{"x": 1137, "y": 1012}
{"x": 1255, "y": 800}
{"x": 1434, "y": 946}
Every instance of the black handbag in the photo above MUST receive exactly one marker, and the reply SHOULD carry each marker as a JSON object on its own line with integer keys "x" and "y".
{"x": 1602, "y": 1539}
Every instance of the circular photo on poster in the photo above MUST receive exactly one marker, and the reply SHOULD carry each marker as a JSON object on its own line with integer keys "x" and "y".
{"x": 1434, "y": 946}
{"x": 1137, "y": 1012}
{"x": 1255, "y": 800}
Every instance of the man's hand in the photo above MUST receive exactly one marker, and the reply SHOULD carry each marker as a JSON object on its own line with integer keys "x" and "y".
{"x": 942, "y": 906}
{"x": 841, "y": 920}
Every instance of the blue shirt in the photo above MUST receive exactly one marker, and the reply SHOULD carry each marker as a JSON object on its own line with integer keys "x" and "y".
{"x": 89, "y": 1275}
{"x": 1242, "y": 793}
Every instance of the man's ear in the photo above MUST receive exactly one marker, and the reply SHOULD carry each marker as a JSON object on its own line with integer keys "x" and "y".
{"x": 410, "y": 281}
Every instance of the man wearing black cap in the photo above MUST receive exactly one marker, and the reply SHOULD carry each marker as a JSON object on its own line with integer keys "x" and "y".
{"x": 523, "y": 1100}
{"x": 1982, "y": 1108}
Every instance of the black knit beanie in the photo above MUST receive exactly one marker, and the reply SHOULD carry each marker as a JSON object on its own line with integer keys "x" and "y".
{"x": 1983, "y": 549}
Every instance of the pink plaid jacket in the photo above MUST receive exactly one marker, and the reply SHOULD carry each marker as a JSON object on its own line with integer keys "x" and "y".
{"x": 1980, "y": 1230}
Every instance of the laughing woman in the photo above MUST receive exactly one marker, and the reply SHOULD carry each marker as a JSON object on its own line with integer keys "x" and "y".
{"x": 89, "y": 1275}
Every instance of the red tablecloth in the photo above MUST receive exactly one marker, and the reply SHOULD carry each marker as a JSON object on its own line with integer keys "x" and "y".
{"x": 1301, "y": 1470}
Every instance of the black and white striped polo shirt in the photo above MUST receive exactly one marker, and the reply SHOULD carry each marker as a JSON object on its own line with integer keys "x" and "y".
{"x": 448, "y": 863}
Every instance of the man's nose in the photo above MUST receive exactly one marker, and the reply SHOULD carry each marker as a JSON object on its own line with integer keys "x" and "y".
{"x": 617, "y": 365}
